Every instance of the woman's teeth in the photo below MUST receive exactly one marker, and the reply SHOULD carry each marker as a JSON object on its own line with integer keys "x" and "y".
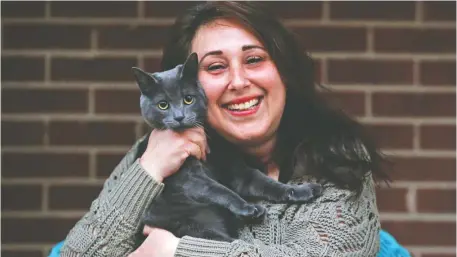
{"x": 243, "y": 106}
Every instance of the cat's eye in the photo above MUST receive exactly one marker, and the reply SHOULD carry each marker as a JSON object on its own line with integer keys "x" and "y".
{"x": 188, "y": 99}
{"x": 163, "y": 105}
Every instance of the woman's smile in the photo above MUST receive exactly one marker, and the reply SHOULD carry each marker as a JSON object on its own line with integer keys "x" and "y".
{"x": 244, "y": 106}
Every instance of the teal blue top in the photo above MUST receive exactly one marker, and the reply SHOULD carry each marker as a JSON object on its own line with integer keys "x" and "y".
{"x": 389, "y": 247}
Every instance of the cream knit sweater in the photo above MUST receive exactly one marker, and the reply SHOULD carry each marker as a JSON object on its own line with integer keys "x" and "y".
{"x": 335, "y": 224}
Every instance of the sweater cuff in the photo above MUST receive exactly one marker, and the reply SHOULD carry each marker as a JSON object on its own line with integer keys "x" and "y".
{"x": 199, "y": 247}
{"x": 135, "y": 191}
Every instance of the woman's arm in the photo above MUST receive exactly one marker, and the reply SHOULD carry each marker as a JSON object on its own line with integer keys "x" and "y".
{"x": 333, "y": 225}
{"x": 112, "y": 224}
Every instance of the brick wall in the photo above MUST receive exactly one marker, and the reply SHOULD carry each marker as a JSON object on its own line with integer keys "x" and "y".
{"x": 70, "y": 106}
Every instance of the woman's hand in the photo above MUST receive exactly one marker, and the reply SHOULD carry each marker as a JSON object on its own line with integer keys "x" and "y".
{"x": 159, "y": 243}
{"x": 167, "y": 150}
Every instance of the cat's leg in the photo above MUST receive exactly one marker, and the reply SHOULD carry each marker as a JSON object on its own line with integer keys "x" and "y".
{"x": 253, "y": 184}
{"x": 202, "y": 188}
{"x": 217, "y": 235}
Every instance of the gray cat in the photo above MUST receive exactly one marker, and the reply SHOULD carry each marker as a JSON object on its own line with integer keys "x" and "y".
{"x": 204, "y": 199}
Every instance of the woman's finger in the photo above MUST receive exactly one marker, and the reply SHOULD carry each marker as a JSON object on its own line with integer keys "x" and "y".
{"x": 147, "y": 230}
{"x": 199, "y": 139}
{"x": 194, "y": 149}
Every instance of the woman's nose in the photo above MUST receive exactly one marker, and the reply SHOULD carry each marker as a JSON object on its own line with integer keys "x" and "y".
{"x": 238, "y": 79}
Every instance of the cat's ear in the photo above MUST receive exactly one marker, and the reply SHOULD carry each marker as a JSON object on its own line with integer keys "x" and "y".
{"x": 145, "y": 81}
{"x": 190, "y": 67}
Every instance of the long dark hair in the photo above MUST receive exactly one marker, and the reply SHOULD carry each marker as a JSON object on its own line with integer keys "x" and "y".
{"x": 313, "y": 139}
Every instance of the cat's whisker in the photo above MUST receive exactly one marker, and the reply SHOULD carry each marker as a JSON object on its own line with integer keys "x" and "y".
{"x": 199, "y": 124}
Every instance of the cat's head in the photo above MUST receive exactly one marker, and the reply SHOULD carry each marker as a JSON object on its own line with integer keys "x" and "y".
{"x": 172, "y": 99}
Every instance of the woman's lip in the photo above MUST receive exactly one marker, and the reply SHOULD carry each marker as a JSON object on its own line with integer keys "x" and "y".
{"x": 245, "y": 112}
{"x": 241, "y": 100}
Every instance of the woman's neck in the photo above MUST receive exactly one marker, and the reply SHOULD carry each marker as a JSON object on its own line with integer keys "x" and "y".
{"x": 262, "y": 152}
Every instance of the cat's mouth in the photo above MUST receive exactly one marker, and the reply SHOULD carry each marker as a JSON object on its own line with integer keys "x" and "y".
{"x": 240, "y": 106}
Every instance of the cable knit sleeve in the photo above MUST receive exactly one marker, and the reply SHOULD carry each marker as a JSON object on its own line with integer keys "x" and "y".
{"x": 111, "y": 226}
{"x": 336, "y": 224}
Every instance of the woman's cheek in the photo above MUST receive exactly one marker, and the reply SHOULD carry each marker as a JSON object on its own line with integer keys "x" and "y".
{"x": 214, "y": 88}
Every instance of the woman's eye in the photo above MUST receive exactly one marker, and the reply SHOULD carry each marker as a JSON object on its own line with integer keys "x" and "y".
{"x": 163, "y": 105}
{"x": 254, "y": 59}
{"x": 215, "y": 67}
{"x": 188, "y": 99}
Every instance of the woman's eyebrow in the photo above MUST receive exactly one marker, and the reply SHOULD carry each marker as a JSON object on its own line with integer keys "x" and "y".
{"x": 217, "y": 52}
{"x": 249, "y": 47}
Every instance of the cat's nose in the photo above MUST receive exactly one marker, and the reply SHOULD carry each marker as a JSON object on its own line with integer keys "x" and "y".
{"x": 179, "y": 118}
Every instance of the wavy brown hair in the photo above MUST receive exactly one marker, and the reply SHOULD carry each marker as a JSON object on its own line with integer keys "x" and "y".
{"x": 313, "y": 138}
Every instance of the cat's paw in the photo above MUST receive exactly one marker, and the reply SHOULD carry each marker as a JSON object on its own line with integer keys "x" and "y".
{"x": 252, "y": 211}
{"x": 259, "y": 211}
{"x": 304, "y": 192}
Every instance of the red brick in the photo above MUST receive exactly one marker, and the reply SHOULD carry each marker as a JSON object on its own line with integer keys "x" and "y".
{"x": 436, "y": 200}
{"x": 44, "y": 165}
{"x": 166, "y": 9}
{"x": 44, "y": 101}
{"x": 16, "y": 68}
{"x": 145, "y": 128}
{"x": 391, "y": 199}
{"x": 81, "y": 195}
{"x": 439, "y": 11}
{"x": 352, "y": 103}
{"x": 21, "y": 197}
{"x": 414, "y": 104}
{"x": 425, "y": 169}
{"x": 106, "y": 163}
{"x": 331, "y": 39}
{"x": 438, "y": 255}
{"x": 400, "y": 10}
{"x": 22, "y": 133}
{"x": 22, "y": 253}
{"x": 118, "y": 101}
{"x": 417, "y": 233}
{"x": 392, "y": 136}
{"x": 132, "y": 37}
{"x": 370, "y": 72}
{"x": 95, "y": 9}
{"x": 45, "y": 36}
{"x": 93, "y": 69}
{"x": 437, "y": 73}
{"x": 91, "y": 133}
{"x": 39, "y": 230}
{"x": 152, "y": 64}
{"x": 399, "y": 40}
{"x": 438, "y": 137}
{"x": 308, "y": 10}
{"x": 23, "y": 9}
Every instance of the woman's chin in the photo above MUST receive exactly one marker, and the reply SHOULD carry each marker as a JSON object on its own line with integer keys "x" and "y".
{"x": 249, "y": 137}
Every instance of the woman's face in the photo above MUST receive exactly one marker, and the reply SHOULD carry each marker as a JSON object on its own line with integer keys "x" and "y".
{"x": 246, "y": 95}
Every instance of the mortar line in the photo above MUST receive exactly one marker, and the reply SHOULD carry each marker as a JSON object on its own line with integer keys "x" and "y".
{"x": 411, "y": 199}
{"x": 416, "y": 137}
{"x": 325, "y": 11}
{"x": 419, "y": 11}
{"x": 47, "y": 10}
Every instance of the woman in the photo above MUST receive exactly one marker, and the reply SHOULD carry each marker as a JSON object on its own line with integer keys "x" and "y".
{"x": 262, "y": 99}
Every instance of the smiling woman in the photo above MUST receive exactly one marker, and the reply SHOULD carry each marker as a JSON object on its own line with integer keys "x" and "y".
{"x": 246, "y": 96}
{"x": 262, "y": 103}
